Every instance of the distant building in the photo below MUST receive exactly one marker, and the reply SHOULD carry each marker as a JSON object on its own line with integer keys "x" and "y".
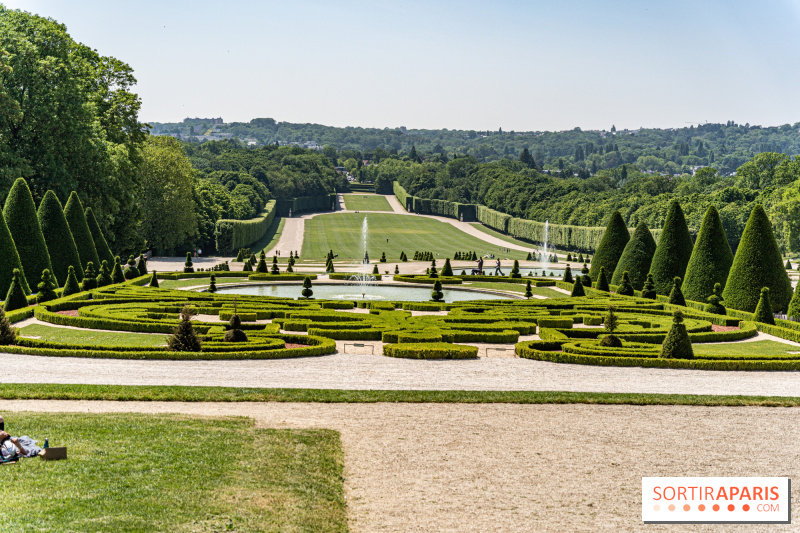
{"x": 402, "y": 129}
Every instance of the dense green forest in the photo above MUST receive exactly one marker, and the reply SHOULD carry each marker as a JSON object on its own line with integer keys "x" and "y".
{"x": 673, "y": 151}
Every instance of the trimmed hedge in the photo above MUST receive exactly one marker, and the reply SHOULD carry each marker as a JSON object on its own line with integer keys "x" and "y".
{"x": 441, "y": 350}
{"x": 304, "y": 204}
{"x": 349, "y": 275}
{"x": 234, "y": 234}
{"x": 283, "y": 276}
{"x": 426, "y": 279}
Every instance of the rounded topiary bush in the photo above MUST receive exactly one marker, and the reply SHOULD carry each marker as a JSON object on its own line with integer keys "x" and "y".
{"x": 625, "y": 288}
{"x": 46, "y": 288}
{"x": 676, "y": 294}
{"x": 104, "y": 277}
{"x": 763, "y": 312}
{"x": 436, "y": 294}
{"x": 714, "y": 304}
{"x": 235, "y": 333}
{"x": 676, "y": 344}
{"x": 611, "y": 246}
{"x": 758, "y": 263}
{"x": 636, "y": 257}
{"x": 307, "y": 292}
{"x": 711, "y": 259}
{"x": 649, "y": 288}
{"x": 586, "y": 278}
{"x": 673, "y": 250}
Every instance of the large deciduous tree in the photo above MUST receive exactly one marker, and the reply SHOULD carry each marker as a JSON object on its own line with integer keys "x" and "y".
{"x": 168, "y": 210}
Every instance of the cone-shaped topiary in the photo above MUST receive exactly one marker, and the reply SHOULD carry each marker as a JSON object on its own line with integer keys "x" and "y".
{"x": 58, "y": 237}
{"x": 235, "y": 333}
{"x": 154, "y": 280}
{"x": 673, "y": 251}
{"x": 116, "y": 275}
{"x": 528, "y": 290}
{"x": 763, "y": 312}
{"x": 100, "y": 243}
{"x": 515, "y": 270}
{"x": 184, "y": 338}
{"x": 247, "y": 267}
{"x": 239, "y": 256}
{"x": 432, "y": 271}
{"x": 8, "y": 334}
{"x": 366, "y": 257}
{"x": 447, "y": 270}
{"x": 436, "y": 294}
{"x": 529, "y": 257}
{"x": 649, "y": 288}
{"x": 676, "y": 294}
{"x": 611, "y": 246}
{"x": 586, "y": 279}
{"x": 714, "y": 304}
{"x": 307, "y": 292}
{"x": 577, "y": 288}
{"x": 788, "y": 265}
{"x": 580, "y": 255}
{"x": 396, "y": 269}
{"x": 81, "y": 233}
{"x": 569, "y": 257}
{"x": 636, "y": 257}
{"x": 375, "y": 270}
{"x": 568, "y": 275}
{"x": 46, "y": 288}
{"x": 23, "y": 223}
{"x": 71, "y": 286}
{"x": 15, "y": 297}
{"x": 403, "y": 257}
{"x": 610, "y": 324}
{"x": 758, "y": 263}
{"x": 289, "y": 268}
{"x": 275, "y": 269}
{"x": 602, "y": 282}
{"x": 104, "y": 277}
{"x": 710, "y": 261}
{"x": 9, "y": 260}
{"x": 188, "y": 266}
{"x": 90, "y": 277}
{"x": 262, "y": 265}
{"x": 141, "y": 265}
{"x": 794, "y": 305}
{"x": 676, "y": 344}
{"x": 625, "y": 288}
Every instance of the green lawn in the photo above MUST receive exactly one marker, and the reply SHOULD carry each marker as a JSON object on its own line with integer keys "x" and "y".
{"x": 140, "y": 473}
{"x": 366, "y": 202}
{"x": 99, "y": 338}
{"x": 46, "y": 391}
{"x": 489, "y": 231}
{"x": 341, "y": 232}
{"x": 516, "y": 287}
{"x": 196, "y": 282}
{"x": 745, "y": 348}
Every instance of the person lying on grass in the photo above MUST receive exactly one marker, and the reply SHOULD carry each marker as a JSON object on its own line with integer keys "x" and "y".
{"x": 10, "y": 448}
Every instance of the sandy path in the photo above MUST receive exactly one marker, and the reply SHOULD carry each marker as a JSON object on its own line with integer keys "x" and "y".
{"x": 365, "y": 372}
{"x": 291, "y": 239}
{"x": 501, "y": 467}
{"x": 175, "y": 264}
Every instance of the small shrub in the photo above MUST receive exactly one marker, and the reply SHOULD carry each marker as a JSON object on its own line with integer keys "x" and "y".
{"x": 763, "y": 312}
{"x": 447, "y": 270}
{"x": 586, "y": 279}
{"x": 625, "y": 288}
{"x": 15, "y": 298}
{"x": 568, "y": 275}
{"x": 577, "y": 289}
{"x": 188, "y": 266}
{"x": 71, "y": 286}
{"x": 436, "y": 294}
{"x": 676, "y": 295}
{"x": 235, "y": 333}
{"x": 104, "y": 277}
{"x": 154, "y": 280}
{"x": 649, "y": 288}
{"x": 307, "y": 292}
{"x": 274, "y": 269}
{"x": 184, "y": 338}
{"x": 46, "y": 288}
{"x": 528, "y": 290}
{"x": 515, "y": 270}
{"x": 677, "y": 344}
{"x": 212, "y": 286}
{"x": 602, "y": 282}
{"x": 8, "y": 334}
{"x": 714, "y": 304}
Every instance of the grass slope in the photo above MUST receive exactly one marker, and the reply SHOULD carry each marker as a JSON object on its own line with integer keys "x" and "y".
{"x": 517, "y": 287}
{"x": 174, "y": 473}
{"x": 341, "y": 232}
{"x": 47, "y": 391}
{"x": 366, "y": 202}
{"x": 771, "y": 348}
{"x": 502, "y": 236}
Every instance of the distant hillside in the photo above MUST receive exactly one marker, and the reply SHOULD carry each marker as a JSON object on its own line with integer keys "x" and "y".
{"x": 670, "y": 151}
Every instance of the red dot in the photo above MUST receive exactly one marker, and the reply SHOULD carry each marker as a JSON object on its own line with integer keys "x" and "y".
{"x": 716, "y": 507}
{"x": 701, "y": 507}
{"x": 745, "y": 507}
{"x": 687, "y": 507}
{"x": 731, "y": 507}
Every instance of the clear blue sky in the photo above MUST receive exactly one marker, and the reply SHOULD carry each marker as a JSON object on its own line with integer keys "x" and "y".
{"x": 519, "y": 65}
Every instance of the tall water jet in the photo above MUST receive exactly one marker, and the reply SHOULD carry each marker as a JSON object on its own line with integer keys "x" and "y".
{"x": 545, "y": 258}
{"x": 363, "y": 275}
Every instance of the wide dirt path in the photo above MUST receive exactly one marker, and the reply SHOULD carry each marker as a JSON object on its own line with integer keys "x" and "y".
{"x": 360, "y": 371}
{"x": 501, "y": 467}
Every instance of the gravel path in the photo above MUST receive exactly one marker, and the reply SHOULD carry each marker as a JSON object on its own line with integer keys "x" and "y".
{"x": 361, "y": 371}
{"x": 502, "y": 467}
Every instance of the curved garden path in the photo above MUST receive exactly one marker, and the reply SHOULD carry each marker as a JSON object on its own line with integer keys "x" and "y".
{"x": 365, "y": 371}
